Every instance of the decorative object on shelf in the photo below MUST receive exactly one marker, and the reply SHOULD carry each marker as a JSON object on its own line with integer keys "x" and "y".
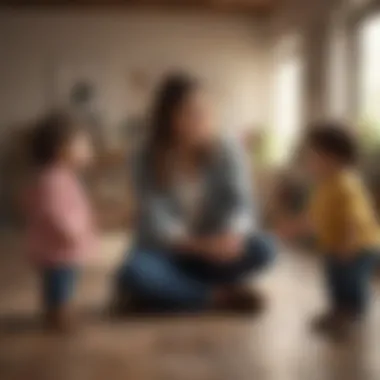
{"x": 134, "y": 126}
{"x": 83, "y": 101}
{"x": 82, "y": 93}
{"x": 81, "y": 86}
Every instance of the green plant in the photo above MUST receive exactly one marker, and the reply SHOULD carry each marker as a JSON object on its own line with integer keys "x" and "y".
{"x": 369, "y": 133}
{"x": 261, "y": 148}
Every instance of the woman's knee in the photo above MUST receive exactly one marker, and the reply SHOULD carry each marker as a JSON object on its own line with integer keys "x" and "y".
{"x": 129, "y": 274}
{"x": 262, "y": 250}
{"x": 124, "y": 276}
{"x": 145, "y": 272}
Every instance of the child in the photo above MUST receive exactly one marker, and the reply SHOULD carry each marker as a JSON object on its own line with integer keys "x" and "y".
{"x": 59, "y": 226}
{"x": 343, "y": 220}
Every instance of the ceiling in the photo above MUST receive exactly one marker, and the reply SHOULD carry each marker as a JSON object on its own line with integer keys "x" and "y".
{"x": 239, "y": 6}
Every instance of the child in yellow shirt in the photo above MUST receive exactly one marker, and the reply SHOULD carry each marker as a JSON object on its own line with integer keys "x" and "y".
{"x": 342, "y": 217}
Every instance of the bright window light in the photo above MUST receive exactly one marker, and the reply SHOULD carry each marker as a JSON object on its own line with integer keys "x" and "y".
{"x": 287, "y": 111}
{"x": 369, "y": 76}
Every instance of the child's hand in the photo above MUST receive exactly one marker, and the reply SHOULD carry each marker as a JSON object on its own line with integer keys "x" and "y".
{"x": 285, "y": 229}
{"x": 290, "y": 228}
{"x": 225, "y": 248}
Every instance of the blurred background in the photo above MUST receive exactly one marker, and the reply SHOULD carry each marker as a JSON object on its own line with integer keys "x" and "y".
{"x": 272, "y": 67}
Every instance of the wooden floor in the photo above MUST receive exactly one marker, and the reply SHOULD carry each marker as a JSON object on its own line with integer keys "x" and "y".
{"x": 275, "y": 346}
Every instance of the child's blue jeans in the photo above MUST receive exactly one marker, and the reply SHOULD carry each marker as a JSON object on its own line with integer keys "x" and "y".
{"x": 58, "y": 284}
{"x": 348, "y": 282}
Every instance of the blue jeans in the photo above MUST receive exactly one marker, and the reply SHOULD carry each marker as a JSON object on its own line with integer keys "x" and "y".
{"x": 348, "y": 282}
{"x": 58, "y": 284}
{"x": 179, "y": 282}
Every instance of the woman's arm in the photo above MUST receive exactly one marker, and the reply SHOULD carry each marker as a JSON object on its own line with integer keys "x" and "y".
{"x": 240, "y": 218}
{"x": 221, "y": 247}
{"x": 162, "y": 224}
{"x": 237, "y": 219}
{"x": 157, "y": 219}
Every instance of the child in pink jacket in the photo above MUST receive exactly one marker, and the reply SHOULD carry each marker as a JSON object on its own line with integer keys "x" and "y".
{"x": 60, "y": 231}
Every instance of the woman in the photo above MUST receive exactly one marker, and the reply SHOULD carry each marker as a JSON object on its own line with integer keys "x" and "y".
{"x": 196, "y": 239}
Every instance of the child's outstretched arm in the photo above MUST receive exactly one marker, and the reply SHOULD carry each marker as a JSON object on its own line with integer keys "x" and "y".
{"x": 292, "y": 227}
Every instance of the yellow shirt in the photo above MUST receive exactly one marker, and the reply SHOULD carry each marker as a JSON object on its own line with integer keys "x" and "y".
{"x": 341, "y": 211}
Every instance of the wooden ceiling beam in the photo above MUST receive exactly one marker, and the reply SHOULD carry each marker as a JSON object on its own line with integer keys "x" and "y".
{"x": 230, "y": 6}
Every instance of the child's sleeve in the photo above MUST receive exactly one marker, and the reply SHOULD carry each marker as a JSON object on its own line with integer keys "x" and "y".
{"x": 59, "y": 205}
{"x": 349, "y": 206}
{"x": 348, "y": 198}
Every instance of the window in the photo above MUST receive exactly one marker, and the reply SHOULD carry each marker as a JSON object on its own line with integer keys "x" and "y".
{"x": 369, "y": 78}
{"x": 287, "y": 106}
{"x": 337, "y": 68}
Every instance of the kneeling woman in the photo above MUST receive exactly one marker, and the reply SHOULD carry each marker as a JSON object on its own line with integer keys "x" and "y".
{"x": 196, "y": 239}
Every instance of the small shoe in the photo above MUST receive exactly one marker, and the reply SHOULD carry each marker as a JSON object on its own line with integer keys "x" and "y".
{"x": 124, "y": 305}
{"x": 336, "y": 325}
{"x": 61, "y": 320}
{"x": 240, "y": 300}
{"x": 325, "y": 322}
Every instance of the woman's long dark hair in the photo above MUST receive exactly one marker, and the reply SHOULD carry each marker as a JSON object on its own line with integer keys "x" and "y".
{"x": 171, "y": 94}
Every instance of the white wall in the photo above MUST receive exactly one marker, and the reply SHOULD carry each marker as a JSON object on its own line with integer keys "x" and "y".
{"x": 311, "y": 22}
{"x": 41, "y": 51}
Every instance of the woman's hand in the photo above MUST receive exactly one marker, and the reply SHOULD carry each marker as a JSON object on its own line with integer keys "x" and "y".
{"x": 224, "y": 248}
{"x": 218, "y": 248}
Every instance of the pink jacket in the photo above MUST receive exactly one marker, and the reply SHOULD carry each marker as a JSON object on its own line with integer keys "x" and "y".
{"x": 60, "y": 228}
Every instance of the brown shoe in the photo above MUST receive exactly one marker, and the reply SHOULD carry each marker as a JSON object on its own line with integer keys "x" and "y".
{"x": 324, "y": 322}
{"x": 336, "y": 324}
{"x": 240, "y": 300}
{"x": 61, "y": 319}
{"x": 123, "y": 305}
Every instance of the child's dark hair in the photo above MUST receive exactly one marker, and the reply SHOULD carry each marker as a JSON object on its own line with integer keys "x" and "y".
{"x": 334, "y": 139}
{"x": 49, "y": 135}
